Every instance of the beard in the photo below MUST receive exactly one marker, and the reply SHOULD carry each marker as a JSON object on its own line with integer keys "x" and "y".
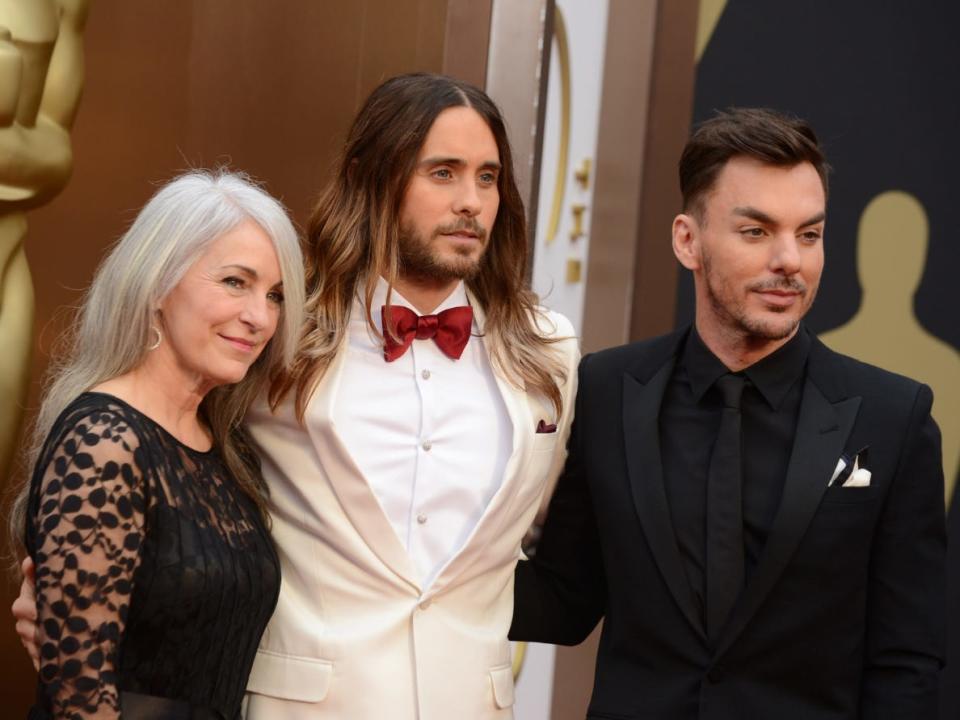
{"x": 733, "y": 313}
{"x": 419, "y": 259}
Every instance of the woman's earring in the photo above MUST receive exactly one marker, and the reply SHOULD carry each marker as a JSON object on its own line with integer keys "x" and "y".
{"x": 159, "y": 340}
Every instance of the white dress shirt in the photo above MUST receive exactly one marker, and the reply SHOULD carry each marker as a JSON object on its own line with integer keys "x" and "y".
{"x": 431, "y": 435}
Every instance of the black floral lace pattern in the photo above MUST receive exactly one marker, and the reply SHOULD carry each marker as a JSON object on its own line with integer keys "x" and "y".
{"x": 155, "y": 574}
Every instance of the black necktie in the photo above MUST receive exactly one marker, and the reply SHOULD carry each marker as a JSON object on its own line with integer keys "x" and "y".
{"x": 725, "y": 573}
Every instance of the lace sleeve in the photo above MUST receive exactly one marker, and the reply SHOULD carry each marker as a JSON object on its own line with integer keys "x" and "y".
{"x": 89, "y": 529}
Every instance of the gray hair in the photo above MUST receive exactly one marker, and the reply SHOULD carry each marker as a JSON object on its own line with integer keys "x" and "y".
{"x": 113, "y": 329}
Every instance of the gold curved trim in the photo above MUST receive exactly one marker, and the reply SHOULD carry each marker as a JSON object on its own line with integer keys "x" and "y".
{"x": 520, "y": 652}
{"x": 560, "y": 184}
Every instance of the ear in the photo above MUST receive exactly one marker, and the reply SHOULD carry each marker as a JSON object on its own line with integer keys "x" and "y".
{"x": 686, "y": 241}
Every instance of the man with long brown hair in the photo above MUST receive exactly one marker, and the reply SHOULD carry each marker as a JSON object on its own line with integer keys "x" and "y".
{"x": 409, "y": 449}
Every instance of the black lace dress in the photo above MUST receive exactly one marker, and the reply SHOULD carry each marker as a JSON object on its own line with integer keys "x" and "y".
{"x": 155, "y": 574}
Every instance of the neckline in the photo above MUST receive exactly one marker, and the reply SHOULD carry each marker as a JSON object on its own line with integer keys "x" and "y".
{"x": 203, "y": 453}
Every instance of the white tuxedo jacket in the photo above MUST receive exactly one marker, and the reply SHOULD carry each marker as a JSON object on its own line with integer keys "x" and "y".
{"x": 354, "y": 635}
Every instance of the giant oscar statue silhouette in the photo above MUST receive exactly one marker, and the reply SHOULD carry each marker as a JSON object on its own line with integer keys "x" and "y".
{"x": 41, "y": 75}
{"x": 891, "y": 252}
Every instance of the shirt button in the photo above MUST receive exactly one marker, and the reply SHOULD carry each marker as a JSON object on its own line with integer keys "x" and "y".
{"x": 425, "y": 374}
{"x": 421, "y": 518}
{"x": 427, "y": 445}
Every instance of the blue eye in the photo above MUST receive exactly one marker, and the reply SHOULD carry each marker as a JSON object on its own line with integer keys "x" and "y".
{"x": 234, "y": 282}
{"x": 275, "y": 296}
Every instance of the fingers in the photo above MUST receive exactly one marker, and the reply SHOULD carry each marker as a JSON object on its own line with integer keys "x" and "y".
{"x": 24, "y": 609}
{"x": 28, "y": 569}
{"x": 27, "y": 631}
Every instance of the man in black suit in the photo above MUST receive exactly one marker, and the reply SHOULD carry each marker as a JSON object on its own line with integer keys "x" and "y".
{"x": 758, "y": 519}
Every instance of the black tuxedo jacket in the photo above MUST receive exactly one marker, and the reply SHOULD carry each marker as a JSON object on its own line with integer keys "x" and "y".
{"x": 844, "y": 615}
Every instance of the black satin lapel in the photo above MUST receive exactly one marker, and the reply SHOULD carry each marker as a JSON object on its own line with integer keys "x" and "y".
{"x": 641, "y": 411}
{"x": 822, "y": 431}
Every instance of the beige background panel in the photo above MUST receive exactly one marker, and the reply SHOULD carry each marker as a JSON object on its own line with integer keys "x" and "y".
{"x": 670, "y": 110}
{"x": 618, "y": 174}
{"x": 631, "y": 276}
{"x": 468, "y": 39}
{"x": 516, "y": 60}
{"x": 892, "y": 242}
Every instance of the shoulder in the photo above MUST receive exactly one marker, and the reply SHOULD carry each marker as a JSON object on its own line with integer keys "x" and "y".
{"x": 96, "y": 444}
{"x": 98, "y": 425}
{"x": 641, "y": 359}
{"x": 840, "y": 376}
{"x": 559, "y": 331}
{"x": 552, "y": 324}
{"x": 93, "y": 409}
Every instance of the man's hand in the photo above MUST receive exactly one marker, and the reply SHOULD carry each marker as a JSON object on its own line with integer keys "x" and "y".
{"x": 24, "y": 609}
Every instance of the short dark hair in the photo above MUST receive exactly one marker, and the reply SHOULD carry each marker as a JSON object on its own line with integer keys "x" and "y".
{"x": 767, "y": 135}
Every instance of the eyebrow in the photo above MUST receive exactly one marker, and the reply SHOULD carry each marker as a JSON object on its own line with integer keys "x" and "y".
{"x": 459, "y": 162}
{"x": 760, "y": 216}
{"x": 818, "y": 218}
{"x": 243, "y": 268}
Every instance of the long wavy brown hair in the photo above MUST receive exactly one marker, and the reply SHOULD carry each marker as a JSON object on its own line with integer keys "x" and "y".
{"x": 353, "y": 237}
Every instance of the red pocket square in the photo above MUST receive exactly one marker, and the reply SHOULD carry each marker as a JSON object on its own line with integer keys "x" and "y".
{"x": 542, "y": 427}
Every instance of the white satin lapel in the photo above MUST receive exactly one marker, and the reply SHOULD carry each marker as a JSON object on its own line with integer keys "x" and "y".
{"x": 518, "y": 409}
{"x": 498, "y": 509}
{"x": 356, "y": 496}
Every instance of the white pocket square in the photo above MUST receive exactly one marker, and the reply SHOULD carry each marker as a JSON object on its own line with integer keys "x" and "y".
{"x": 841, "y": 464}
{"x": 860, "y": 477}
{"x": 856, "y": 477}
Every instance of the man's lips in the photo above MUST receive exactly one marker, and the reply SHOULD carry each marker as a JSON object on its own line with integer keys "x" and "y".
{"x": 240, "y": 343}
{"x": 780, "y": 298}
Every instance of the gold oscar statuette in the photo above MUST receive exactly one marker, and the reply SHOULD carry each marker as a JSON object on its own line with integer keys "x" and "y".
{"x": 41, "y": 76}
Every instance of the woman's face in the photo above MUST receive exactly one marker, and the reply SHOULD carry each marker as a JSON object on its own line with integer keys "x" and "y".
{"x": 217, "y": 320}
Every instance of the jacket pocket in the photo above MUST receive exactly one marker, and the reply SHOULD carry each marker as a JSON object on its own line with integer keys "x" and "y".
{"x": 289, "y": 677}
{"x": 545, "y": 442}
{"x": 501, "y": 677}
{"x": 840, "y": 495}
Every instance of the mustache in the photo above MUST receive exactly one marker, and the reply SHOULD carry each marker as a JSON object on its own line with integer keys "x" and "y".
{"x": 462, "y": 225}
{"x": 791, "y": 284}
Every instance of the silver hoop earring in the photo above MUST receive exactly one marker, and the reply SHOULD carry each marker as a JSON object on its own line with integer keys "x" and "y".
{"x": 155, "y": 345}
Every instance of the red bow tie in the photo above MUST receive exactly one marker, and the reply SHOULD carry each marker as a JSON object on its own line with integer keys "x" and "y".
{"x": 449, "y": 329}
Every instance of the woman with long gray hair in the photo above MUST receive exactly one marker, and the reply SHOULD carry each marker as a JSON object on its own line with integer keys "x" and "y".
{"x": 146, "y": 515}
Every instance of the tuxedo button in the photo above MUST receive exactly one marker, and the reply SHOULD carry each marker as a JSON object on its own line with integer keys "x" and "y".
{"x": 715, "y": 674}
{"x": 421, "y": 518}
{"x": 427, "y": 445}
{"x": 425, "y": 374}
